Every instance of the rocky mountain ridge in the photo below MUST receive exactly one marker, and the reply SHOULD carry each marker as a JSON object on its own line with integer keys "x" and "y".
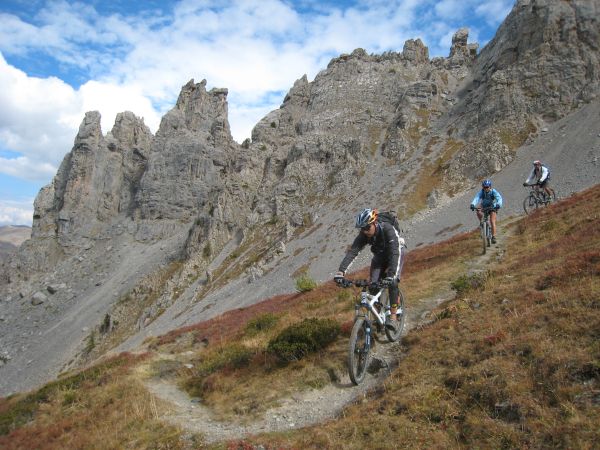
{"x": 137, "y": 231}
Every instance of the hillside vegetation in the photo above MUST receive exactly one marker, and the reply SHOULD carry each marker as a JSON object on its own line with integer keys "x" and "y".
{"x": 513, "y": 361}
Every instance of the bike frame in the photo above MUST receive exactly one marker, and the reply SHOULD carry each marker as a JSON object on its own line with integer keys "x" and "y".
{"x": 368, "y": 302}
{"x": 539, "y": 194}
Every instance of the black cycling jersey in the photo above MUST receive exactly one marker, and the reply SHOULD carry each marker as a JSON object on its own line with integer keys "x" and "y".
{"x": 385, "y": 245}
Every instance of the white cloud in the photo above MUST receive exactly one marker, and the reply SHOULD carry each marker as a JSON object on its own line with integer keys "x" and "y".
{"x": 16, "y": 213}
{"x": 34, "y": 117}
{"x": 111, "y": 99}
{"x": 39, "y": 118}
{"x": 452, "y": 9}
{"x": 24, "y": 167}
{"x": 494, "y": 11}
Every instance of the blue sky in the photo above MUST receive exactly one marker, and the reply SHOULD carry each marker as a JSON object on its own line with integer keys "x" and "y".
{"x": 61, "y": 58}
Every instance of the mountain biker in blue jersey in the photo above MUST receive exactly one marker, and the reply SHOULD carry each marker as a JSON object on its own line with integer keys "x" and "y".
{"x": 388, "y": 257}
{"x": 540, "y": 175}
{"x": 488, "y": 198}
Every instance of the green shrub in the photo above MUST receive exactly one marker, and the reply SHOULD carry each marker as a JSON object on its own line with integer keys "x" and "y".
{"x": 300, "y": 339}
{"x": 305, "y": 283}
{"x": 234, "y": 356}
{"x": 466, "y": 283}
{"x": 261, "y": 323}
{"x": 90, "y": 344}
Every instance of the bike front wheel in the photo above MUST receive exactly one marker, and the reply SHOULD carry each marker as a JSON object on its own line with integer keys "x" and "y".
{"x": 484, "y": 237}
{"x": 529, "y": 204}
{"x": 393, "y": 331}
{"x": 359, "y": 351}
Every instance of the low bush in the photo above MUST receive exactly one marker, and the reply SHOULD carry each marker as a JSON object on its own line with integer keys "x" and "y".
{"x": 261, "y": 323}
{"x": 300, "y": 339}
{"x": 466, "y": 283}
{"x": 234, "y": 356}
{"x": 305, "y": 283}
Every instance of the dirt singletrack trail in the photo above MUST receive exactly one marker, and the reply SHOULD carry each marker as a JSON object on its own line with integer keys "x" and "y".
{"x": 313, "y": 406}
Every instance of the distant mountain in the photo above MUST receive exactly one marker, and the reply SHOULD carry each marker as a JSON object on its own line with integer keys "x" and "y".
{"x": 11, "y": 237}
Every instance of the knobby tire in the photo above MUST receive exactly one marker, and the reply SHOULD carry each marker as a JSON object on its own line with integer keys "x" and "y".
{"x": 393, "y": 333}
{"x": 358, "y": 353}
{"x": 530, "y": 203}
{"x": 484, "y": 236}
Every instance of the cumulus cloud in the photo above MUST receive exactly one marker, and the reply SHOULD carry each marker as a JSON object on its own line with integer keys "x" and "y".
{"x": 35, "y": 121}
{"x": 492, "y": 10}
{"x": 39, "y": 118}
{"x": 16, "y": 213}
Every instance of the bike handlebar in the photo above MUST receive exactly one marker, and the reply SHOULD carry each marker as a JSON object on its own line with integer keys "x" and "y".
{"x": 488, "y": 209}
{"x": 344, "y": 282}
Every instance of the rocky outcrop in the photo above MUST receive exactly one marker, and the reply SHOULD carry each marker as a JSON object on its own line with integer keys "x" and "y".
{"x": 189, "y": 157}
{"x": 362, "y": 106}
{"x": 543, "y": 62}
{"x": 95, "y": 182}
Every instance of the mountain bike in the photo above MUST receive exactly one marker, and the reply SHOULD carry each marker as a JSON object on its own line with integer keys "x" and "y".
{"x": 372, "y": 311}
{"x": 485, "y": 228}
{"x": 537, "y": 198}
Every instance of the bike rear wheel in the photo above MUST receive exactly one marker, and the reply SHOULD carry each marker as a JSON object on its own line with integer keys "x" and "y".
{"x": 394, "y": 331}
{"x": 530, "y": 203}
{"x": 359, "y": 351}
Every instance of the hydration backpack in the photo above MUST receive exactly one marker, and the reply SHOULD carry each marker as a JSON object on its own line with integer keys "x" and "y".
{"x": 390, "y": 217}
{"x": 491, "y": 196}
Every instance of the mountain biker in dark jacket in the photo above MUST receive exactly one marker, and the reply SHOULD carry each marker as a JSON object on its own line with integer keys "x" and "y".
{"x": 388, "y": 257}
{"x": 488, "y": 198}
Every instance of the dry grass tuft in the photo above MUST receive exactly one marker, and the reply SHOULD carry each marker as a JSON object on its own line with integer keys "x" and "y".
{"x": 100, "y": 407}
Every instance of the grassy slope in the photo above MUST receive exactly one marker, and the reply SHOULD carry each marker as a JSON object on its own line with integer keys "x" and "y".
{"x": 513, "y": 362}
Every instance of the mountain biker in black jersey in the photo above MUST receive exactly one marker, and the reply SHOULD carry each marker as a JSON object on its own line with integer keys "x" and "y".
{"x": 388, "y": 256}
{"x": 488, "y": 198}
{"x": 540, "y": 175}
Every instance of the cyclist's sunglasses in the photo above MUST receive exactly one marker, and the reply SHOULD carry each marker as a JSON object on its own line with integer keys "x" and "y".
{"x": 366, "y": 228}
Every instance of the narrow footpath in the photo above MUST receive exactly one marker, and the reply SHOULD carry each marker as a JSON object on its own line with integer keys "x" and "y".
{"x": 317, "y": 405}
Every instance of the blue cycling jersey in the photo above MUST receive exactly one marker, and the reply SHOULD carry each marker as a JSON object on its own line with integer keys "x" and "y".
{"x": 487, "y": 199}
